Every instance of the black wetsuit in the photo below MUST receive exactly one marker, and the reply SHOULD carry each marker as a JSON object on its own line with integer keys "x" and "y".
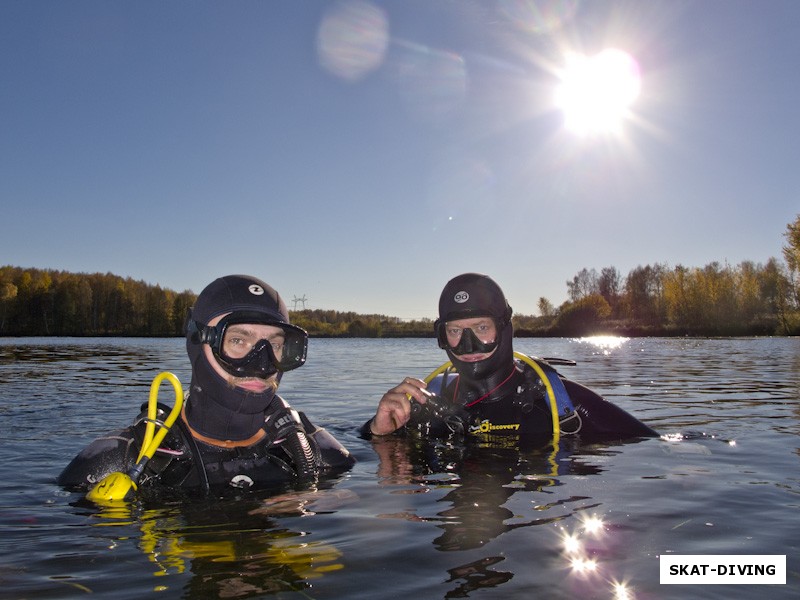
{"x": 183, "y": 464}
{"x": 518, "y": 414}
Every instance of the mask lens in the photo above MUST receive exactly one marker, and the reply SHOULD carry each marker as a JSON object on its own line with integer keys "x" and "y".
{"x": 468, "y": 340}
{"x": 240, "y": 340}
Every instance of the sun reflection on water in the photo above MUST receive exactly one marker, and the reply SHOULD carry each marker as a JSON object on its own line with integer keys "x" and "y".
{"x": 581, "y": 558}
{"x": 604, "y": 343}
{"x": 621, "y": 591}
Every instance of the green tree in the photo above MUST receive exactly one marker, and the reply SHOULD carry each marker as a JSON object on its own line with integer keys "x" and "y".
{"x": 583, "y": 317}
{"x": 643, "y": 296}
{"x": 8, "y": 292}
{"x": 609, "y": 286}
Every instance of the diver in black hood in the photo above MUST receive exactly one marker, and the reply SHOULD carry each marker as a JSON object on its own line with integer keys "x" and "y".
{"x": 491, "y": 394}
{"x": 474, "y": 328}
{"x": 234, "y": 430}
{"x": 240, "y": 342}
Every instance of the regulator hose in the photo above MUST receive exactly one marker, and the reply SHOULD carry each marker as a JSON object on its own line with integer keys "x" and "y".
{"x": 304, "y": 457}
{"x": 287, "y": 431}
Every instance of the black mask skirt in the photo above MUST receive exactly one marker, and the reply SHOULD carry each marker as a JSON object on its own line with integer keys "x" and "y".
{"x": 217, "y": 410}
{"x": 487, "y": 377}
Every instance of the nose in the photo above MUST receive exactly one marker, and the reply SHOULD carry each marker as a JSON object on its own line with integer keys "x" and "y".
{"x": 258, "y": 362}
{"x": 468, "y": 342}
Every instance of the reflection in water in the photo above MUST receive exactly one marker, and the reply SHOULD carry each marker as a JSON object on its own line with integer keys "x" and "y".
{"x": 605, "y": 344}
{"x": 476, "y": 575}
{"x": 480, "y": 484}
{"x": 232, "y": 549}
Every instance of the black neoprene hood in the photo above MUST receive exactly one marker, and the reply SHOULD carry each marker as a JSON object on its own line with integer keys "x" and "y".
{"x": 214, "y": 408}
{"x": 473, "y": 295}
{"x": 234, "y": 293}
{"x": 477, "y": 295}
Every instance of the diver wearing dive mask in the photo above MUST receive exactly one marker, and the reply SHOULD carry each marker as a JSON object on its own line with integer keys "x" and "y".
{"x": 240, "y": 342}
{"x": 488, "y": 395}
{"x": 235, "y": 431}
{"x": 474, "y": 328}
{"x": 251, "y": 344}
{"x": 468, "y": 336}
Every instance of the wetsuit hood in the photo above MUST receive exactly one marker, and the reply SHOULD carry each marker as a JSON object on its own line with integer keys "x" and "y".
{"x": 477, "y": 295}
{"x": 215, "y": 408}
{"x": 488, "y": 379}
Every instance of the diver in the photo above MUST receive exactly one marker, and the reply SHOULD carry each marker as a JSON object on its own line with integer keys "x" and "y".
{"x": 234, "y": 432}
{"x": 492, "y": 395}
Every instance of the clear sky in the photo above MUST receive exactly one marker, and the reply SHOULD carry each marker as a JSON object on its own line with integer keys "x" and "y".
{"x": 362, "y": 153}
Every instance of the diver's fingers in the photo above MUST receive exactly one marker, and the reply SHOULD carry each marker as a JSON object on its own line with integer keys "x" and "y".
{"x": 394, "y": 408}
{"x": 394, "y": 411}
{"x": 413, "y": 387}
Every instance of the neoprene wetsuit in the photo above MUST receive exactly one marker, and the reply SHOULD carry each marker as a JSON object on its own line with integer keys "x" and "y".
{"x": 184, "y": 464}
{"x": 517, "y": 413}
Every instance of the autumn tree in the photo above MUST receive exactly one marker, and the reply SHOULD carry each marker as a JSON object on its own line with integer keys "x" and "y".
{"x": 546, "y": 308}
{"x": 582, "y": 285}
{"x": 791, "y": 253}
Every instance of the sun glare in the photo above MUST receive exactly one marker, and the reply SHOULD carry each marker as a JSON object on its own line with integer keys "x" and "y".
{"x": 596, "y": 92}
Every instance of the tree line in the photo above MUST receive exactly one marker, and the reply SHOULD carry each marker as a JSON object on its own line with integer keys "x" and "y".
{"x": 44, "y": 302}
{"x": 714, "y": 300}
{"x": 59, "y": 303}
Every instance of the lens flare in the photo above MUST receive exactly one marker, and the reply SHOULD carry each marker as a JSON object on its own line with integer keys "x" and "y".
{"x": 622, "y": 592}
{"x": 572, "y": 545}
{"x": 432, "y": 83}
{"x": 352, "y": 39}
{"x": 539, "y": 16}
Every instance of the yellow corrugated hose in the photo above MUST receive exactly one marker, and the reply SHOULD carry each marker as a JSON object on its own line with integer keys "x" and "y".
{"x": 117, "y": 487}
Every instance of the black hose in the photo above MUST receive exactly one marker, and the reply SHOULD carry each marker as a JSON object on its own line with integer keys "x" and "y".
{"x": 304, "y": 456}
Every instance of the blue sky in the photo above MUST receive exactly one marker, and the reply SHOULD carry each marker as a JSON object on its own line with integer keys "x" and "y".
{"x": 361, "y": 154}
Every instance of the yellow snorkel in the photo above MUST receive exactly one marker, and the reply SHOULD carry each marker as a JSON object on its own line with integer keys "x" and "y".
{"x": 117, "y": 487}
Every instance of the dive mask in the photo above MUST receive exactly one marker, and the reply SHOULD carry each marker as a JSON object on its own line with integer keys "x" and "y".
{"x": 243, "y": 349}
{"x": 468, "y": 343}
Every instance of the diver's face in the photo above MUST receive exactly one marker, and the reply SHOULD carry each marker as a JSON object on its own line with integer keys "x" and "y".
{"x": 239, "y": 340}
{"x": 484, "y": 328}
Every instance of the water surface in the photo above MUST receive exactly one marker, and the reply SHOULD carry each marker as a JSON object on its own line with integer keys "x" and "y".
{"x": 570, "y": 524}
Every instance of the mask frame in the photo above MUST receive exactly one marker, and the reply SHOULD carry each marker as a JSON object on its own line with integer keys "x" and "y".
{"x": 260, "y": 361}
{"x": 469, "y": 343}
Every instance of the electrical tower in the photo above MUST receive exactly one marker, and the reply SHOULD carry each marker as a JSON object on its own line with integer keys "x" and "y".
{"x": 302, "y": 300}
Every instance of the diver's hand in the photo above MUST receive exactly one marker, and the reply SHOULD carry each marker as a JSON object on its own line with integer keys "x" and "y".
{"x": 394, "y": 409}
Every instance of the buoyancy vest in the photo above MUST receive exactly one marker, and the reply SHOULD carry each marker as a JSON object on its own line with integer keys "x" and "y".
{"x": 523, "y": 415}
{"x": 292, "y": 451}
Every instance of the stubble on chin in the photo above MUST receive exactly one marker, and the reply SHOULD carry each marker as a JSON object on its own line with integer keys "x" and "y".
{"x": 269, "y": 384}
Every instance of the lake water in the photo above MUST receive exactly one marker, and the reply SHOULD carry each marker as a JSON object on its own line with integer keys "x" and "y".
{"x": 586, "y": 524}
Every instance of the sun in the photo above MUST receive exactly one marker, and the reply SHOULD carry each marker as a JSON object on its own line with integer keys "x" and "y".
{"x": 596, "y": 92}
